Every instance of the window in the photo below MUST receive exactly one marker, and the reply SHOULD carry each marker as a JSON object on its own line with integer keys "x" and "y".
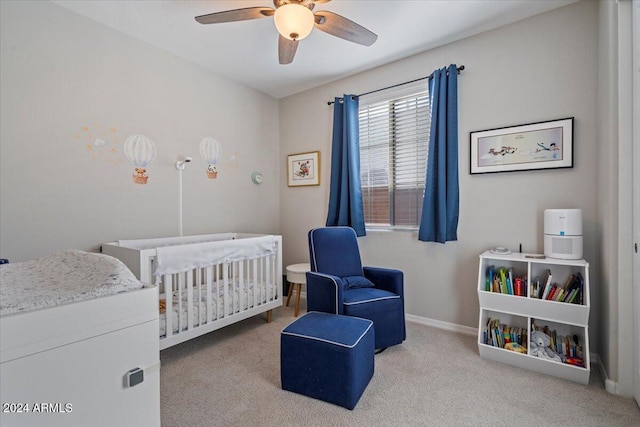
{"x": 394, "y": 139}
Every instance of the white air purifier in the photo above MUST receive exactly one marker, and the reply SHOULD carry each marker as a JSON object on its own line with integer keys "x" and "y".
{"x": 563, "y": 233}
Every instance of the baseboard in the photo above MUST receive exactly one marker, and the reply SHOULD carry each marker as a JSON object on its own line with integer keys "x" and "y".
{"x": 467, "y": 330}
{"x": 609, "y": 385}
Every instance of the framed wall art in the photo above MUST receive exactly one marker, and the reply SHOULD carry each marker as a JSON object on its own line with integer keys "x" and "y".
{"x": 303, "y": 169}
{"x": 542, "y": 145}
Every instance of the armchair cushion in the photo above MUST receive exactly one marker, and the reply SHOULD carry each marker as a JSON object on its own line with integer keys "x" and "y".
{"x": 334, "y": 250}
{"x": 356, "y": 282}
{"x": 357, "y": 296}
{"x": 384, "y": 308}
{"x": 388, "y": 279}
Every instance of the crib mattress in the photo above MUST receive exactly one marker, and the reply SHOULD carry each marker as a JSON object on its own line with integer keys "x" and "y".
{"x": 242, "y": 300}
{"x": 62, "y": 278}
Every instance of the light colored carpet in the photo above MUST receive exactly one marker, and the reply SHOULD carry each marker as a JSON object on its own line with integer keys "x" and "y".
{"x": 231, "y": 377}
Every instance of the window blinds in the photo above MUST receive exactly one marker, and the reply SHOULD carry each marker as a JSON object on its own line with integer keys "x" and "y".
{"x": 394, "y": 138}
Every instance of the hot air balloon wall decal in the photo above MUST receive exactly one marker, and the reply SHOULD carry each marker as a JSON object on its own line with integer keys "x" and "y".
{"x": 210, "y": 151}
{"x": 140, "y": 151}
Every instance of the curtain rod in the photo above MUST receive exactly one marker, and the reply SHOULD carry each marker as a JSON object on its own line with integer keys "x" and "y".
{"x": 460, "y": 68}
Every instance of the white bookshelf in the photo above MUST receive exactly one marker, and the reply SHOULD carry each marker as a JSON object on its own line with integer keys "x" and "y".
{"x": 567, "y": 319}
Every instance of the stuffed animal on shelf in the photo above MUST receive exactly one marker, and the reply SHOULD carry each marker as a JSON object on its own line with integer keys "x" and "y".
{"x": 514, "y": 346}
{"x": 539, "y": 346}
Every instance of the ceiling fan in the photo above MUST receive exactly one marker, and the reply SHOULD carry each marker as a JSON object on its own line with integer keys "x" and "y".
{"x": 294, "y": 20}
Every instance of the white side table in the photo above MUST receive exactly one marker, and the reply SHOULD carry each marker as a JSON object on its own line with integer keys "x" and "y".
{"x": 297, "y": 276}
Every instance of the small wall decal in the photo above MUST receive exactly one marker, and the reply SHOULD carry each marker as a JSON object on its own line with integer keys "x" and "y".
{"x": 232, "y": 163}
{"x": 210, "y": 151}
{"x": 100, "y": 142}
{"x": 140, "y": 151}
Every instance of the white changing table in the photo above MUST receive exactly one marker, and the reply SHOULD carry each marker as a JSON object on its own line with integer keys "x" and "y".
{"x": 67, "y": 365}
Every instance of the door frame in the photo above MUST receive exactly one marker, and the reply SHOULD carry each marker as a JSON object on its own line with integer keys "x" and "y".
{"x": 636, "y": 195}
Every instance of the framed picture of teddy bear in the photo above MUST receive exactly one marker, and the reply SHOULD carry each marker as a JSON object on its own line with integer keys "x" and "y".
{"x": 303, "y": 169}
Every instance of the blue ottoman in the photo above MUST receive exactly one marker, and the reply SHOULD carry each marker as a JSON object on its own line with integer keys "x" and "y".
{"x": 327, "y": 357}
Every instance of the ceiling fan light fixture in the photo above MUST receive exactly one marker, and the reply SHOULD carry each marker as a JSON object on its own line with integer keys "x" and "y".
{"x": 294, "y": 21}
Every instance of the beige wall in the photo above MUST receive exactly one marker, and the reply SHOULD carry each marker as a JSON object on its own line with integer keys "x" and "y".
{"x": 61, "y": 72}
{"x": 542, "y": 68}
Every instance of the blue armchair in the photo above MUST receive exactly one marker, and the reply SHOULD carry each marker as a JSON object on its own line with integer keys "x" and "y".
{"x": 338, "y": 283}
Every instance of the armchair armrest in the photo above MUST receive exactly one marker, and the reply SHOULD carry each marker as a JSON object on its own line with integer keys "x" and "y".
{"x": 389, "y": 279}
{"x": 324, "y": 293}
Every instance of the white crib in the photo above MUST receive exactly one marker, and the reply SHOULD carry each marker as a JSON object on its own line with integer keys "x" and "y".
{"x": 206, "y": 282}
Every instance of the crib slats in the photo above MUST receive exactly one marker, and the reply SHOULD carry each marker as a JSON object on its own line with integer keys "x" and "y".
{"x": 234, "y": 293}
{"x": 237, "y": 289}
{"x": 267, "y": 280}
{"x": 219, "y": 310}
{"x": 178, "y": 296}
{"x": 190, "y": 302}
{"x": 225, "y": 284}
{"x": 256, "y": 287}
{"x": 199, "y": 283}
{"x": 242, "y": 287}
{"x": 168, "y": 295}
{"x": 208, "y": 278}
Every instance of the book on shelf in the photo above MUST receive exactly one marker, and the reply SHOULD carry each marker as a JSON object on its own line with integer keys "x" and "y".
{"x": 568, "y": 284}
{"x": 566, "y": 289}
{"x": 534, "y": 287}
{"x": 510, "y": 282}
{"x": 547, "y": 285}
{"x": 497, "y": 334}
{"x": 580, "y": 295}
{"x": 552, "y": 290}
{"x": 489, "y": 279}
{"x": 503, "y": 280}
{"x": 520, "y": 287}
{"x": 573, "y": 289}
{"x": 570, "y": 291}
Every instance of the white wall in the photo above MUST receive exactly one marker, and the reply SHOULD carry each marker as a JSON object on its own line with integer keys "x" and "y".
{"x": 615, "y": 194}
{"x": 607, "y": 184}
{"x": 542, "y": 68}
{"x": 62, "y": 72}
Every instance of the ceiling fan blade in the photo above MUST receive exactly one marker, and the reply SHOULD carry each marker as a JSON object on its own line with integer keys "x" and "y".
{"x": 339, "y": 26}
{"x": 235, "y": 15}
{"x": 305, "y": 3}
{"x": 286, "y": 50}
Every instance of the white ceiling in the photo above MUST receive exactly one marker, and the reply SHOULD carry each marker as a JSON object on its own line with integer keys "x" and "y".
{"x": 246, "y": 51}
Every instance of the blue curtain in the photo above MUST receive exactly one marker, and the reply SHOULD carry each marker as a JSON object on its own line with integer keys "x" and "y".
{"x": 440, "y": 206}
{"x": 345, "y": 193}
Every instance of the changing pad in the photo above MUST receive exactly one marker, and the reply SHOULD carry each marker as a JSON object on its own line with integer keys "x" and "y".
{"x": 62, "y": 278}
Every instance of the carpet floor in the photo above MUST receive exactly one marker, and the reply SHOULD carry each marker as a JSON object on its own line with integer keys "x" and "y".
{"x": 231, "y": 377}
